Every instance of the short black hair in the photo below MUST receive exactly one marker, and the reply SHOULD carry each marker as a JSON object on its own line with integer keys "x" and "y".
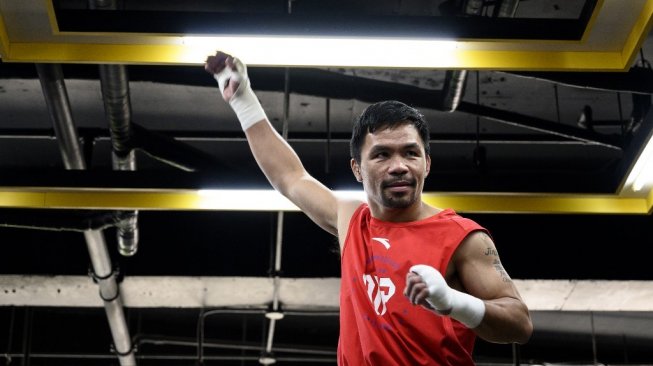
{"x": 389, "y": 113}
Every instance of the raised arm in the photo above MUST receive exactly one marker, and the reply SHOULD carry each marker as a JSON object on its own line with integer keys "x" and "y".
{"x": 275, "y": 157}
{"x": 488, "y": 301}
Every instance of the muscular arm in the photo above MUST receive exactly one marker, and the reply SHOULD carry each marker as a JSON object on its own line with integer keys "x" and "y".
{"x": 481, "y": 274}
{"x": 286, "y": 173}
{"x": 274, "y": 156}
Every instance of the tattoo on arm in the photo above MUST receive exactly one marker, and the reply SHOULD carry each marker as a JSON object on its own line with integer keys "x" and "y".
{"x": 502, "y": 272}
{"x": 491, "y": 251}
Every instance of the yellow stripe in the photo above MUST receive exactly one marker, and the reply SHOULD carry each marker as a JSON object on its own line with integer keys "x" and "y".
{"x": 52, "y": 16}
{"x": 638, "y": 34}
{"x": 193, "y": 200}
{"x": 96, "y": 53}
{"x": 577, "y": 204}
{"x": 649, "y": 202}
{"x": 176, "y": 54}
{"x": 22, "y": 199}
{"x": 4, "y": 38}
{"x": 541, "y": 60}
{"x": 592, "y": 21}
{"x": 124, "y": 200}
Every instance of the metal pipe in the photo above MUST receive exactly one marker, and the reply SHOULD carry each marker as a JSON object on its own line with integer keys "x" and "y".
{"x": 201, "y": 321}
{"x": 110, "y": 294}
{"x": 56, "y": 99}
{"x": 117, "y": 106}
{"x": 453, "y": 89}
{"x": 115, "y": 94}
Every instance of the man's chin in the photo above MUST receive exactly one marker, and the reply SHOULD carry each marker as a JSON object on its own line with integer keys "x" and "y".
{"x": 398, "y": 202}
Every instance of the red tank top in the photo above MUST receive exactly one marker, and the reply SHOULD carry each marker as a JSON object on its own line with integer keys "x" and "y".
{"x": 378, "y": 325}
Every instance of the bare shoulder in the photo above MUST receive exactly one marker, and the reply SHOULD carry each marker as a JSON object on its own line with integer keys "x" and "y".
{"x": 478, "y": 244}
{"x": 479, "y": 267}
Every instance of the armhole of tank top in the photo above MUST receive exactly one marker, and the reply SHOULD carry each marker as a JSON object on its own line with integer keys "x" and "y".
{"x": 356, "y": 214}
{"x": 453, "y": 251}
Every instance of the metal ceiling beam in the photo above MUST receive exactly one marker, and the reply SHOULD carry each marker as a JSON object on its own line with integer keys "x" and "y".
{"x": 333, "y": 85}
{"x": 168, "y": 150}
{"x": 540, "y": 125}
{"x": 91, "y": 135}
{"x": 637, "y": 80}
{"x": 295, "y": 293}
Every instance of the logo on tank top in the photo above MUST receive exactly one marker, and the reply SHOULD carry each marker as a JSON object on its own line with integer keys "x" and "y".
{"x": 379, "y": 290}
{"x": 385, "y": 242}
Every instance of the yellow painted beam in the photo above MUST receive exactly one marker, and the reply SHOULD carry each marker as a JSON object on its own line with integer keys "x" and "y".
{"x": 98, "y": 53}
{"x": 592, "y": 20}
{"x": 4, "y": 39}
{"x": 523, "y": 203}
{"x": 178, "y": 54}
{"x": 481, "y": 55}
{"x": 638, "y": 33}
{"x": 269, "y": 200}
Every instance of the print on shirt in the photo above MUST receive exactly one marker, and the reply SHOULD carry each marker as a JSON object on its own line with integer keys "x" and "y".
{"x": 385, "y": 242}
{"x": 379, "y": 290}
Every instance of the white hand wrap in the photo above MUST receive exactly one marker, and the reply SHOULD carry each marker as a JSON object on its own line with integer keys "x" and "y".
{"x": 244, "y": 102}
{"x": 463, "y": 307}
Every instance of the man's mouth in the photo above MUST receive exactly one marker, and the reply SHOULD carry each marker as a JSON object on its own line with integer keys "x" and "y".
{"x": 401, "y": 185}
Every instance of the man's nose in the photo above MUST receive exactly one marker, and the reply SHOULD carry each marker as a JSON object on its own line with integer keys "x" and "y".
{"x": 397, "y": 166}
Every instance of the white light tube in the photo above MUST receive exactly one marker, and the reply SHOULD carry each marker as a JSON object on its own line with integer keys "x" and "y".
{"x": 255, "y": 199}
{"x": 642, "y": 173}
{"x": 320, "y": 51}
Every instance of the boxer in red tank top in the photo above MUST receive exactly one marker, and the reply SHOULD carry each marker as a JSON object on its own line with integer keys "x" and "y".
{"x": 377, "y": 323}
{"x": 418, "y": 283}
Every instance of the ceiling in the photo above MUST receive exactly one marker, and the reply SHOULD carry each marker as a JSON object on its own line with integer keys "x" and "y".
{"x": 537, "y": 119}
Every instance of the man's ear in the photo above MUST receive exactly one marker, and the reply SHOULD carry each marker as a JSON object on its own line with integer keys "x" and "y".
{"x": 356, "y": 169}
{"x": 428, "y": 165}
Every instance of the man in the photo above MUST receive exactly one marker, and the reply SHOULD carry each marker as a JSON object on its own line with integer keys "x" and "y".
{"x": 446, "y": 266}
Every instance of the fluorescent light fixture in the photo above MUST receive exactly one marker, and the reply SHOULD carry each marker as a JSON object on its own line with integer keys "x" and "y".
{"x": 642, "y": 173}
{"x": 255, "y": 200}
{"x": 320, "y": 51}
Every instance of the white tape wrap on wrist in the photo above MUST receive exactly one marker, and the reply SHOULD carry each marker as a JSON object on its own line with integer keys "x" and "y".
{"x": 463, "y": 307}
{"x": 244, "y": 102}
{"x": 467, "y": 309}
